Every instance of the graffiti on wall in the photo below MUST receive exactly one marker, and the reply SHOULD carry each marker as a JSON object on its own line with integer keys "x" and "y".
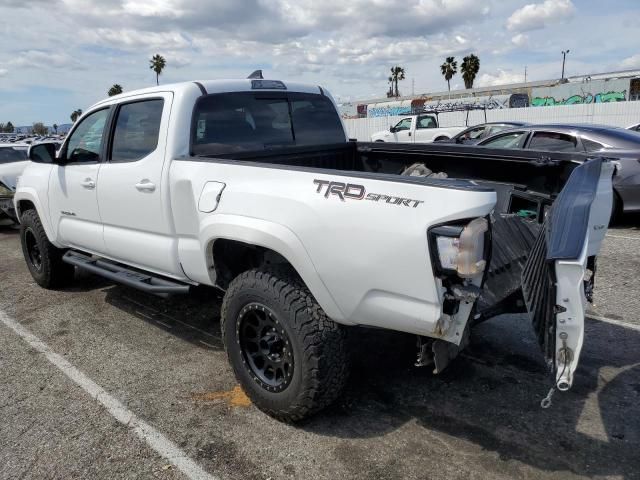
{"x": 602, "y": 97}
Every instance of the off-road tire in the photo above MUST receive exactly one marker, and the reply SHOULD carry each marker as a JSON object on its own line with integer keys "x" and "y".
{"x": 320, "y": 359}
{"x": 52, "y": 272}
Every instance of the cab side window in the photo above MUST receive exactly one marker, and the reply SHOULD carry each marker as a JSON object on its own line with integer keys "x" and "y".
{"x": 404, "y": 124}
{"x": 426, "y": 122}
{"x": 137, "y": 130}
{"x": 85, "y": 142}
{"x": 553, "y": 142}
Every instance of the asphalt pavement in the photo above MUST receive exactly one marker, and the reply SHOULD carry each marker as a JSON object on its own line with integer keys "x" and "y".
{"x": 101, "y": 381}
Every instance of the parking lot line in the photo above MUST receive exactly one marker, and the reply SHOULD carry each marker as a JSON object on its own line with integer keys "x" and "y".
{"x": 622, "y": 236}
{"x": 156, "y": 440}
{"x": 612, "y": 321}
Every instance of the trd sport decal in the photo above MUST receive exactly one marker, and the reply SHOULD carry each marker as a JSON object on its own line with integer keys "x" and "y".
{"x": 353, "y": 191}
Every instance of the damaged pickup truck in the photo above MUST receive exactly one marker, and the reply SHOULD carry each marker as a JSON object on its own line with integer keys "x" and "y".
{"x": 252, "y": 186}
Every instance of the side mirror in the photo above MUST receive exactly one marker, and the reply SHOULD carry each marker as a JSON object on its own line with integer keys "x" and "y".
{"x": 43, "y": 153}
{"x": 392, "y": 129}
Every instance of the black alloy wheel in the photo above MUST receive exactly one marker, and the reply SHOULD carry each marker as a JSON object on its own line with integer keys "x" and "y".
{"x": 266, "y": 348}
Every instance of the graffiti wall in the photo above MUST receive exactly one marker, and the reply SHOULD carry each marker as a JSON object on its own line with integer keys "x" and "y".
{"x": 407, "y": 107}
{"x": 596, "y": 91}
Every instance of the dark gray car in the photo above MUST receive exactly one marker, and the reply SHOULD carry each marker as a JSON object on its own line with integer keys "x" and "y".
{"x": 477, "y": 133}
{"x": 619, "y": 143}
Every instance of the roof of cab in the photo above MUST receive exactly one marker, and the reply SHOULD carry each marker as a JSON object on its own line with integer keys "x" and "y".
{"x": 216, "y": 86}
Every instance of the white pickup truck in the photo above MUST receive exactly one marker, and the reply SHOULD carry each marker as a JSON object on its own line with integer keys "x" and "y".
{"x": 416, "y": 129}
{"x": 252, "y": 186}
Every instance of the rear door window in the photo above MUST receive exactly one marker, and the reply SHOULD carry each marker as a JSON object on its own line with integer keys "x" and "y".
{"x": 245, "y": 122}
{"x": 553, "y": 142}
{"x": 507, "y": 140}
{"x": 137, "y": 130}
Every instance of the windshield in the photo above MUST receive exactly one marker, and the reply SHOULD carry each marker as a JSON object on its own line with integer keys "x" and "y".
{"x": 13, "y": 154}
{"x": 242, "y": 122}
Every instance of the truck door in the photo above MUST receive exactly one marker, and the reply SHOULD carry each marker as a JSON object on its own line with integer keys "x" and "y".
{"x": 557, "y": 279}
{"x": 402, "y": 130}
{"x": 73, "y": 186}
{"x": 133, "y": 194}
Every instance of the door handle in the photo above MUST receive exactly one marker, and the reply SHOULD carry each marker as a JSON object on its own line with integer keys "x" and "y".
{"x": 145, "y": 186}
{"x": 409, "y": 134}
{"x": 89, "y": 184}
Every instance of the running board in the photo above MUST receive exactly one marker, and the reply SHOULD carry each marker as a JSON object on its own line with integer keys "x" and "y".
{"x": 126, "y": 276}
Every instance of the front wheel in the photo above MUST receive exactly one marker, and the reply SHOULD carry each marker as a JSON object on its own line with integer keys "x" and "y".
{"x": 43, "y": 259}
{"x": 288, "y": 356}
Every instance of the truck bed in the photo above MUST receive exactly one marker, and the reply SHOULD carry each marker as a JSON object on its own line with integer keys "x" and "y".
{"x": 526, "y": 184}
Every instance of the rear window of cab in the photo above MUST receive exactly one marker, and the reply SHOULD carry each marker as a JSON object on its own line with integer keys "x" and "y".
{"x": 249, "y": 121}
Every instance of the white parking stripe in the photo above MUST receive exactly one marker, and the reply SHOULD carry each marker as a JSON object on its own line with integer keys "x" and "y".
{"x": 622, "y": 236}
{"x": 632, "y": 326}
{"x": 156, "y": 440}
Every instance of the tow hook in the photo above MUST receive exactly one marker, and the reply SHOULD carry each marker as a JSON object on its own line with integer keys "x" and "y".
{"x": 565, "y": 355}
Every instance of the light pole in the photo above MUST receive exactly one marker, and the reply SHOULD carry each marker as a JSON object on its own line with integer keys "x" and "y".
{"x": 564, "y": 56}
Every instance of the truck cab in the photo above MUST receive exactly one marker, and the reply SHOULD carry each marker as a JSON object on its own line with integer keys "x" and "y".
{"x": 416, "y": 129}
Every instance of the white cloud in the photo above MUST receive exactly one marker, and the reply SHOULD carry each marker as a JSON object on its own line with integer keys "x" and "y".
{"x": 42, "y": 59}
{"x": 134, "y": 39}
{"x": 537, "y": 15}
{"x": 520, "y": 40}
{"x": 632, "y": 61}
{"x": 501, "y": 77}
{"x": 3, "y": 72}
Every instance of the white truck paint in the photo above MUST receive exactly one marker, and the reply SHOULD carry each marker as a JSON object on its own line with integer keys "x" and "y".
{"x": 416, "y": 129}
{"x": 358, "y": 241}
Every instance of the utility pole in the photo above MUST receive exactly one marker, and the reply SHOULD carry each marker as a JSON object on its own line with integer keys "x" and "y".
{"x": 564, "y": 56}
{"x": 413, "y": 86}
{"x": 525, "y": 74}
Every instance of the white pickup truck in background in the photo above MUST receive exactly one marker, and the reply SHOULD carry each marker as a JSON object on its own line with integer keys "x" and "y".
{"x": 252, "y": 186}
{"x": 416, "y": 129}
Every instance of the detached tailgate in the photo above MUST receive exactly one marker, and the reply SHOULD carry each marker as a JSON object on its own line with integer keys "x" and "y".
{"x": 557, "y": 280}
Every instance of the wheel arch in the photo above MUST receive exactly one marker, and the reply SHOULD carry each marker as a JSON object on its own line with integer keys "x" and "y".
{"x": 27, "y": 200}
{"x": 234, "y": 244}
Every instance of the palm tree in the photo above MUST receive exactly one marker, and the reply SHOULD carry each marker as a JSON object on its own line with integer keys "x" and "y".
{"x": 157, "y": 64}
{"x": 469, "y": 69}
{"x": 390, "y": 91}
{"x": 75, "y": 115}
{"x": 449, "y": 68}
{"x": 115, "y": 90}
{"x": 397, "y": 73}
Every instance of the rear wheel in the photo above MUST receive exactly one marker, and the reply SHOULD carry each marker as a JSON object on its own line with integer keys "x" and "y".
{"x": 43, "y": 259}
{"x": 288, "y": 356}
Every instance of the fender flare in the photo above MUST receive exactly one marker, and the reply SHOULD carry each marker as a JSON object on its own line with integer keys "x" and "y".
{"x": 31, "y": 195}
{"x": 273, "y": 236}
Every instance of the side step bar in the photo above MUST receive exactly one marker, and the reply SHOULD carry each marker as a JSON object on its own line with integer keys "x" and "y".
{"x": 127, "y": 276}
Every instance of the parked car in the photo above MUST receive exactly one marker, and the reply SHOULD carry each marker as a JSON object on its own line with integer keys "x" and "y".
{"x": 13, "y": 160}
{"x": 416, "y": 129}
{"x": 475, "y": 134}
{"x": 620, "y": 143}
{"x": 253, "y": 186}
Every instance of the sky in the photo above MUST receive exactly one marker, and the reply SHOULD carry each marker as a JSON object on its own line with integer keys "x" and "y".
{"x": 60, "y": 55}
